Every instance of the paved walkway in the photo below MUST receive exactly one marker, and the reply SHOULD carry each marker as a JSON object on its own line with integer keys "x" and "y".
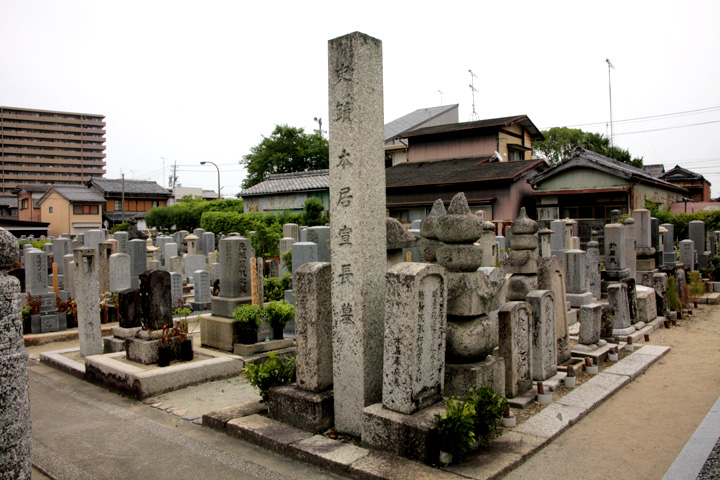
{"x": 664, "y": 423}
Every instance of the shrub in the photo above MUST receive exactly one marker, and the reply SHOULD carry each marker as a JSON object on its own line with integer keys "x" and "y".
{"x": 286, "y": 259}
{"x": 286, "y": 280}
{"x": 696, "y": 286}
{"x": 279, "y": 313}
{"x": 489, "y": 408}
{"x": 314, "y": 212}
{"x": 248, "y": 317}
{"x": 120, "y": 227}
{"x": 456, "y": 426}
{"x": 273, "y": 289}
{"x": 713, "y": 268}
{"x": 672, "y": 295}
{"x": 274, "y": 372}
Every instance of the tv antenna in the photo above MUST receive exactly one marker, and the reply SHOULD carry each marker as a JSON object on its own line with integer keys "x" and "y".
{"x": 441, "y": 94}
{"x": 610, "y": 66}
{"x": 473, "y": 115}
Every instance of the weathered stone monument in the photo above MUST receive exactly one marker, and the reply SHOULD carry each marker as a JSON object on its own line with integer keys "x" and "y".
{"x": 119, "y": 272}
{"x": 544, "y": 345}
{"x": 515, "y": 331}
{"x": 357, "y": 206}
{"x": 235, "y": 258}
{"x": 88, "y": 305}
{"x": 15, "y": 455}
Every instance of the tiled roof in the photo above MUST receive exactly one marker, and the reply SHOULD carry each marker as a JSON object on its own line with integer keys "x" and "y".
{"x": 476, "y": 169}
{"x": 679, "y": 173}
{"x": 8, "y": 201}
{"x": 490, "y": 122}
{"x": 411, "y": 120}
{"x": 290, "y": 182}
{"x": 32, "y": 188}
{"x": 654, "y": 170}
{"x": 115, "y": 186}
{"x": 591, "y": 159}
{"x": 79, "y": 194}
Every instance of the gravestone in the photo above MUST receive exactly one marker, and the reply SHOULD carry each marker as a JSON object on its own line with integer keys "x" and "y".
{"x": 138, "y": 259}
{"x": 303, "y": 252}
{"x": 61, "y": 247}
{"x": 515, "y": 332}
{"x": 179, "y": 238}
{"x": 201, "y": 291}
{"x": 655, "y": 240}
{"x": 669, "y": 256}
{"x": 88, "y": 305}
{"x": 207, "y": 242}
{"x": 414, "y": 351}
{"x": 104, "y": 251}
{"x": 15, "y": 454}
{"x": 36, "y": 272}
{"x": 260, "y": 280}
{"x": 593, "y": 268}
{"x": 696, "y": 233}
{"x": 687, "y": 254}
{"x": 544, "y": 237}
{"x": 576, "y": 277}
{"x": 271, "y": 266}
{"x": 176, "y": 287}
{"x": 119, "y": 272}
{"x": 358, "y": 238}
{"x": 169, "y": 250}
{"x": 590, "y": 324}
{"x": 291, "y": 230}
{"x": 551, "y": 276}
{"x": 123, "y": 241}
{"x": 235, "y": 257}
{"x": 175, "y": 264}
{"x": 630, "y": 249}
{"x": 92, "y": 238}
{"x": 129, "y": 307}
{"x": 191, "y": 242}
{"x": 193, "y": 263}
{"x": 615, "y": 260}
{"x": 618, "y": 301}
{"x": 544, "y": 345}
{"x": 155, "y": 298}
{"x": 557, "y": 239}
{"x": 69, "y": 277}
{"x": 285, "y": 245}
{"x": 320, "y": 236}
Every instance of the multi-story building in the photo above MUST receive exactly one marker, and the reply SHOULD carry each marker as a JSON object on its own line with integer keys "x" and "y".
{"x": 58, "y": 148}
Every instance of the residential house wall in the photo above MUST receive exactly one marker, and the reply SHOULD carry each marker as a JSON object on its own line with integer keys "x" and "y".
{"x": 279, "y": 202}
{"x": 26, "y": 211}
{"x": 61, "y": 215}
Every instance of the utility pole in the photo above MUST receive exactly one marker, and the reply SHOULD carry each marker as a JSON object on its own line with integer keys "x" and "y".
{"x": 122, "y": 201}
{"x": 610, "y": 65}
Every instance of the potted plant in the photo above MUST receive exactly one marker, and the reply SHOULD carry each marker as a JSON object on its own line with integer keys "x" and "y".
{"x": 273, "y": 372}
{"x": 34, "y": 311}
{"x": 185, "y": 351}
{"x": 278, "y": 315}
{"x": 508, "y": 419}
{"x": 489, "y": 409}
{"x": 166, "y": 353}
{"x": 247, "y": 319}
{"x": 456, "y": 429}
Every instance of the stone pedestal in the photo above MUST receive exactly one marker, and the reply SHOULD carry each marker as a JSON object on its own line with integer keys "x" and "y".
{"x": 410, "y": 436}
{"x": 310, "y": 411}
{"x": 223, "y": 306}
{"x": 460, "y": 377}
{"x": 218, "y": 332}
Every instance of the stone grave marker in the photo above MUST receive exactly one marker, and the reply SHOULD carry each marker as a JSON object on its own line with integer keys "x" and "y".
{"x": 155, "y": 298}
{"x": 515, "y": 332}
{"x": 320, "y": 236}
{"x": 88, "y": 306}
{"x": 119, "y": 272}
{"x": 138, "y": 259}
{"x": 544, "y": 344}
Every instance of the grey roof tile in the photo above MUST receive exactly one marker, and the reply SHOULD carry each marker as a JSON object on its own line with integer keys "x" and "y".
{"x": 414, "y": 119}
{"x": 290, "y": 182}
{"x": 115, "y": 186}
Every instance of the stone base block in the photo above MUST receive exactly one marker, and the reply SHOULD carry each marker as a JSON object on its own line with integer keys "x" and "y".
{"x": 645, "y": 264}
{"x": 218, "y": 332}
{"x": 460, "y": 377}
{"x": 572, "y": 316}
{"x": 200, "y": 306}
{"x": 142, "y": 351}
{"x": 223, "y": 307}
{"x": 577, "y": 300}
{"x": 310, "y": 411}
{"x": 669, "y": 258}
{"x": 598, "y": 354}
{"x": 410, "y": 436}
{"x": 123, "y": 333}
{"x": 112, "y": 345}
{"x": 623, "y": 331}
{"x": 645, "y": 277}
{"x": 577, "y": 364}
{"x": 45, "y": 323}
{"x": 246, "y": 350}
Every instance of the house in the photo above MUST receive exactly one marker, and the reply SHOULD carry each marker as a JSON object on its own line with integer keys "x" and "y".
{"x": 511, "y": 137}
{"x": 71, "y": 209}
{"x": 697, "y": 186}
{"x": 177, "y": 193}
{"x": 497, "y": 188}
{"x": 27, "y": 198}
{"x": 395, "y": 147}
{"x": 287, "y": 191}
{"x": 587, "y": 186}
{"x": 8, "y": 206}
{"x": 139, "y": 197}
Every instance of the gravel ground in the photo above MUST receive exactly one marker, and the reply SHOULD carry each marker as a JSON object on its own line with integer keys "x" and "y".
{"x": 711, "y": 469}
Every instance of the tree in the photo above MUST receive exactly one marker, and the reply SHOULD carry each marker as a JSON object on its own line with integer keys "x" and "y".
{"x": 287, "y": 150}
{"x": 560, "y": 142}
{"x": 314, "y": 212}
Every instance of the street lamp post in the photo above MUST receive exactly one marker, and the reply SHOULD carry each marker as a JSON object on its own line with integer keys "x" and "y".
{"x": 218, "y": 169}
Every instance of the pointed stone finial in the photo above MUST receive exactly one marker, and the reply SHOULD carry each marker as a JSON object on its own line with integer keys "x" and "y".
{"x": 459, "y": 205}
{"x": 524, "y": 225}
{"x": 427, "y": 226}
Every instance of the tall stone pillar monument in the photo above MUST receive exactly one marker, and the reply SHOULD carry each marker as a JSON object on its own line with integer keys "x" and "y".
{"x": 357, "y": 213}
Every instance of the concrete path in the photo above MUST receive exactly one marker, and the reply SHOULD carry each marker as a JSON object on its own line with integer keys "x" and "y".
{"x": 81, "y": 431}
{"x": 641, "y": 430}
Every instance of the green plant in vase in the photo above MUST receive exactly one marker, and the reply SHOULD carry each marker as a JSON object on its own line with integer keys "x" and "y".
{"x": 273, "y": 372}
{"x": 247, "y": 319}
{"x": 278, "y": 314}
{"x": 489, "y": 409}
{"x": 456, "y": 429}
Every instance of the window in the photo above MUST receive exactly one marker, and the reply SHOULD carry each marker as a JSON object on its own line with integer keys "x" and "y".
{"x": 50, "y": 210}
{"x": 516, "y": 155}
{"x": 85, "y": 209}
{"x": 154, "y": 204}
{"x": 118, "y": 205}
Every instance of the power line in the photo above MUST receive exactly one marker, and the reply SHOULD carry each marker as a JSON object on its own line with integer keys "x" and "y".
{"x": 651, "y": 117}
{"x": 669, "y": 128}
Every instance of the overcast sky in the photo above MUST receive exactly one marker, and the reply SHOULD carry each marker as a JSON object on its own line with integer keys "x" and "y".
{"x": 194, "y": 81}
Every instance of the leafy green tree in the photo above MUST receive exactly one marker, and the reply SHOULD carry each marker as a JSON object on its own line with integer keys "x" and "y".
{"x": 286, "y": 150}
{"x": 314, "y": 212}
{"x": 560, "y": 142}
{"x": 187, "y": 214}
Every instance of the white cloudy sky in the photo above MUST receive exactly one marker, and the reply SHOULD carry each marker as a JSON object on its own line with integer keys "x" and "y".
{"x": 194, "y": 81}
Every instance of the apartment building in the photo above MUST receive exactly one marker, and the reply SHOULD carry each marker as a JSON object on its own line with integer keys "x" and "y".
{"x": 48, "y": 147}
